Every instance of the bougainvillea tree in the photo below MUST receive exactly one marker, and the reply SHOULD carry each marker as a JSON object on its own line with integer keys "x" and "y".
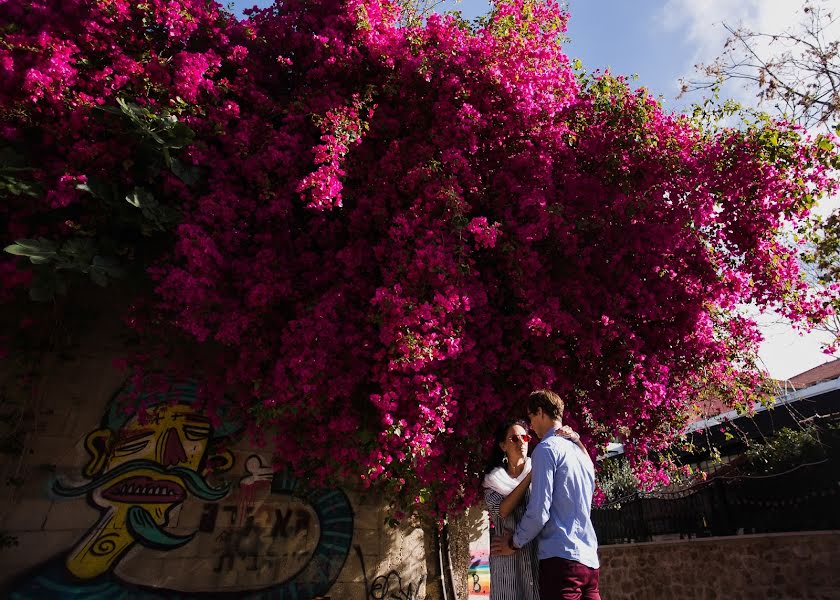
{"x": 389, "y": 234}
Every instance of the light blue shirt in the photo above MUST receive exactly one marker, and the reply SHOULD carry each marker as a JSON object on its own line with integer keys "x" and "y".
{"x": 562, "y": 484}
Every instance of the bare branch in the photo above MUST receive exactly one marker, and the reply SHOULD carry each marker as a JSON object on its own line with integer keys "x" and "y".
{"x": 798, "y": 69}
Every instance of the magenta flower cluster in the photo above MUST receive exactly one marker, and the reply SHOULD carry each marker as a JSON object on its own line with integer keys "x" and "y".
{"x": 397, "y": 232}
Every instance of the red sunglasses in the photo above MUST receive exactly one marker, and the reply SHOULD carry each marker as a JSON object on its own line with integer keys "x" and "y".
{"x": 516, "y": 438}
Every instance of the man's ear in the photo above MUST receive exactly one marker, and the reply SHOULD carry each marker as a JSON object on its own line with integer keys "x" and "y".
{"x": 98, "y": 445}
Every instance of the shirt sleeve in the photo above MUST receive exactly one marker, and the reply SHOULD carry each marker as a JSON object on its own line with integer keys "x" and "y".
{"x": 539, "y": 504}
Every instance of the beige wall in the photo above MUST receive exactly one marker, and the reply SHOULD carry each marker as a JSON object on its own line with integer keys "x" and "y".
{"x": 789, "y": 566}
{"x": 259, "y": 536}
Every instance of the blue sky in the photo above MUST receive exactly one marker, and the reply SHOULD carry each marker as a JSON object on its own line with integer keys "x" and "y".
{"x": 657, "y": 40}
{"x": 660, "y": 41}
{"x": 627, "y": 37}
{"x": 630, "y": 41}
{"x": 639, "y": 37}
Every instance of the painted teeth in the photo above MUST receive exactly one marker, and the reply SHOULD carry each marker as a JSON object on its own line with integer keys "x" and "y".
{"x": 145, "y": 490}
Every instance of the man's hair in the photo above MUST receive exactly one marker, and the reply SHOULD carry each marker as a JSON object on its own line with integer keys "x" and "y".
{"x": 547, "y": 400}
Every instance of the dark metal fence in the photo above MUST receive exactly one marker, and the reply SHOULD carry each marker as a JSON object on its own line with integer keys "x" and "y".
{"x": 802, "y": 499}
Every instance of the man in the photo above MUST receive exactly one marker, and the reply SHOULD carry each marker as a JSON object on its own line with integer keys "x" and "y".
{"x": 563, "y": 481}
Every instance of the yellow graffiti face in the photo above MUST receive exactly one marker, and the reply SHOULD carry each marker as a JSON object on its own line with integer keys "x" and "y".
{"x": 171, "y": 436}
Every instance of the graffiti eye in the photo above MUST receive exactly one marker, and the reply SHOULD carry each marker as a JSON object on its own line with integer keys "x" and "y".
{"x": 130, "y": 448}
{"x": 195, "y": 434}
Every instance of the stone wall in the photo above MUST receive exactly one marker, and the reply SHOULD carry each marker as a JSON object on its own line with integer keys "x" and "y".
{"x": 788, "y": 565}
{"x": 96, "y": 501}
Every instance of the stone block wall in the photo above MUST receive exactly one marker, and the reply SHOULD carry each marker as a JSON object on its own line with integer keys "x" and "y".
{"x": 94, "y": 501}
{"x": 750, "y": 567}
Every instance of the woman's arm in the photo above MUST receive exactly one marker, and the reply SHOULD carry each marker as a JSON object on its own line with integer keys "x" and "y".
{"x": 513, "y": 499}
{"x": 566, "y": 432}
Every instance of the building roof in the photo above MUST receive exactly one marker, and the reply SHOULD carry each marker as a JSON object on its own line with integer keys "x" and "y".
{"x": 824, "y": 372}
{"x": 708, "y": 407}
{"x": 712, "y": 407}
{"x": 803, "y": 393}
{"x": 818, "y": 381}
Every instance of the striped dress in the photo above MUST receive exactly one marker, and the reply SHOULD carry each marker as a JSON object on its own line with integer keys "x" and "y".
{"x": 514, "y": 577}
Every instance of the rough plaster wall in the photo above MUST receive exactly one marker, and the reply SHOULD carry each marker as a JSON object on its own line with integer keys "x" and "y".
{"x": 229, "y": 552}
{"x": 759, "y": 567}
{"x": 470, "y": 540}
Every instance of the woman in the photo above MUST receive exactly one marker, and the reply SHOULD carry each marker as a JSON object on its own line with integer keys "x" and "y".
{"x": 506, "y": 482}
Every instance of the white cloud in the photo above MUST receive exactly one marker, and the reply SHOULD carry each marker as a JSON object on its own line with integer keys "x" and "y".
{"x": 701, "y": 21}
{"x": 701, "y": 24}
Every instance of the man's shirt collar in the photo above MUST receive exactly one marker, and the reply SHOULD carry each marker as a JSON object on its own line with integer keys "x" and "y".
{"x": 549, "y": 433}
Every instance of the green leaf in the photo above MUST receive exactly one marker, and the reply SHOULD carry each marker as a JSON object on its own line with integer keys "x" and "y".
{"x": 78, "y": 249}
{"x": 824, "y": 144}
{"x": 178, "y": 135}
{"x": 28, "y": 247}
{"x": 99, "y": 277}
{"x": 164, "y": 130}
{"x": 39, "y": 251}
{"x": 189, "y": 174}
{"x": 97, "y": 189}
{"x": 17, "y": 187}
{"x": 139, "y": 197}
{"x": 104, "y": 268}
{"x": 41, "y": 294}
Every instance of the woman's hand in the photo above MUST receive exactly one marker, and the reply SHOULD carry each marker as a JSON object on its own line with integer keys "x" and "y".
{"x": 566, "y": 432}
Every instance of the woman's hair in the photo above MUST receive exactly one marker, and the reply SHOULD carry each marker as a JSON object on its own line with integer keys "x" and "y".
{"x": 496, "y": 454}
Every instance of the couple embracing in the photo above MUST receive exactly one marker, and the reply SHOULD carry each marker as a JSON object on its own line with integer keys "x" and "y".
{"x": 544, "y": 546}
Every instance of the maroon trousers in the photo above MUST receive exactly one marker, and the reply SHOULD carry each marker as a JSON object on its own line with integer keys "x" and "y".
{"x": 562, "y": 579}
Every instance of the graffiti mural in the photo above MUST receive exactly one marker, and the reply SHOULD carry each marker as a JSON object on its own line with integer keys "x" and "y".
{"x": 478, "y": 573}
{"x": 263, "y": 536}
{"x": 140, "y": 471}
{"x": 478, "y": 581}
{"x": 269, "y": 538}
{"x": 389, "y": 586}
